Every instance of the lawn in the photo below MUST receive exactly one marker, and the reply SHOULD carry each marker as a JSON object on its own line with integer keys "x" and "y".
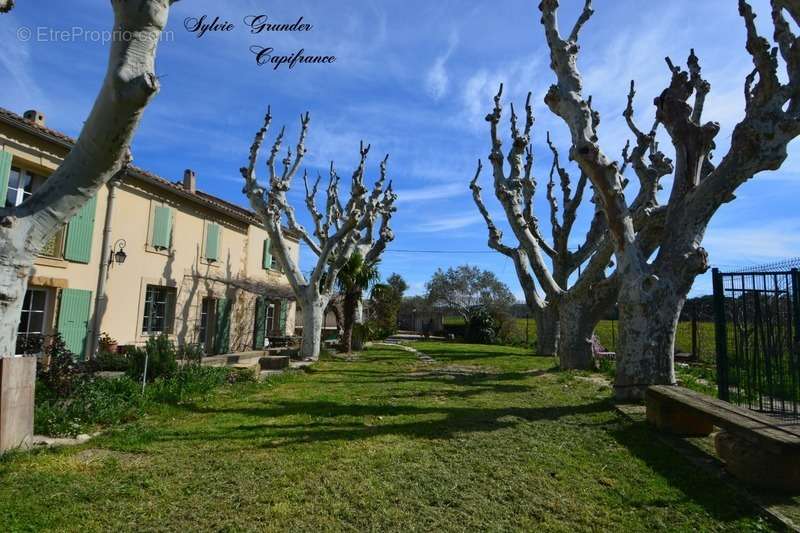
{"x": 485, "y": 438}
{"x": 608, "y": 333}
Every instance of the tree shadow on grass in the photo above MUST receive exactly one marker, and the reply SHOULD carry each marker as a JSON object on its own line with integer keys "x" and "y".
{"x": 332, "y": 421}
{"x": 693, "y": 475}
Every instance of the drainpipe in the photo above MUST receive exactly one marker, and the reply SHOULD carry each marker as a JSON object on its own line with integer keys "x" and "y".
{"x": 101, "y": 299}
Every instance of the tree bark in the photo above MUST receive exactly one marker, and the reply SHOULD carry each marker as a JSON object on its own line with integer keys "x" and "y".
{"x": 14, "y": 277}
{"x": 100, "y": 151}
{"x": 547, "y": 331}
{"x": 649, "y": 309}
{"x": 351, "y": 300}
{"x": 577, "y": 320}
{"x": 313, "y": 321}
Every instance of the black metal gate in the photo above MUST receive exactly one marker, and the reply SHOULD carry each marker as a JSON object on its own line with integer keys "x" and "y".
{"x": 757, "y": 330}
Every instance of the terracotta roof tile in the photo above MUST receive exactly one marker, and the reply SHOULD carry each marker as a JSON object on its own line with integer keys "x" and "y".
{"x": 199, "y": 196}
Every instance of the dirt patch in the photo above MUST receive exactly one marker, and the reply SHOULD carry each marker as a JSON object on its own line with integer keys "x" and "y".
{"x": 597, "y": 379}
{"x": 97, "y": 456}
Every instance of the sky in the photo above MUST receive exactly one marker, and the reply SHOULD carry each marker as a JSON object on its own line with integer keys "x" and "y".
{"x": 415, "y": 79}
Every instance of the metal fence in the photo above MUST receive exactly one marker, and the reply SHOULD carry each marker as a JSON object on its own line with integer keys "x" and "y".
{"x": 757, "y": 331}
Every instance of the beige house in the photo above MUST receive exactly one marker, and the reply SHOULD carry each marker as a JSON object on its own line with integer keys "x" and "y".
{"x": 146, "y": 256}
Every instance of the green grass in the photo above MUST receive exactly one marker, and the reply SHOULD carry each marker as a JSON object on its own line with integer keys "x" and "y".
{"x": 608, "y": 333}
{"x": 485, "y": 439}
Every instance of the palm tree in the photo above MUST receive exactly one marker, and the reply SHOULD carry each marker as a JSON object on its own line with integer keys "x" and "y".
{"x": 356, "y": 277}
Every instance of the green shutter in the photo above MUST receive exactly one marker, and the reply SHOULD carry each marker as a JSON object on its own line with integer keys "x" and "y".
{"x": 79, "y": 234}
{"x": 5, "y": 172}
{"x": 259, "y": 330}
{"x": 162, "y": 228}
{"x": 223, "y": 330}
{"x": 266, "y": 255}
{"x": 212, "y": 242}
{"x": 73, "y": 319}
{"x": 284, "y": 312}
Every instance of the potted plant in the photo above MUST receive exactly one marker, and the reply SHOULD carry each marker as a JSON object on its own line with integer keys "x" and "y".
{"x": 107, "y": 343}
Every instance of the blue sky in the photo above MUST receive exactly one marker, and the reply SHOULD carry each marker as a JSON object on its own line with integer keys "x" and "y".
{"x": 415, "y": 79}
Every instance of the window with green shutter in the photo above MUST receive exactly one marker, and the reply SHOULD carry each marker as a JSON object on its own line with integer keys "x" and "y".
{"x": 212, "y": 242}
{"x": 222, "y": 331}
{"x": 5, "y": 172}
{"x": 260, "y": 327}
{"x": 162, "y": 228}
{"x": 79, "y": 234}
{"x": 266, "y": 255}
{"x": 73, "y": 319}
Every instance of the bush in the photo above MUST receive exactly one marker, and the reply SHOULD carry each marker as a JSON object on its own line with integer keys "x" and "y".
{"x": 109, "y": 362}
{"x": 481, "y": 327}
{"x": 58, "y": 369}
{"x": 188, "y": 383}
{"x": 159, "y": 352}
{"x": 97, "y": 401}
{"x": 192, "y": 353}
{"x": 92, "y": 402}
{"x": 242, "y": 375}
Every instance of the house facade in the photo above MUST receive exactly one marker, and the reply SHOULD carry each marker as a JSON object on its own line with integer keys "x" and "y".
{"x": 146, "y": 256}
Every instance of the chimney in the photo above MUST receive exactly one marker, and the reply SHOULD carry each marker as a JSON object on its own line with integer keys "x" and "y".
{"x": 189, "y": 181}
{"x": 32, "y": 115}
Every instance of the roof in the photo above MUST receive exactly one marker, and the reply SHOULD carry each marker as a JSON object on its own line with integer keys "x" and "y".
{"x": 199, "y": 197}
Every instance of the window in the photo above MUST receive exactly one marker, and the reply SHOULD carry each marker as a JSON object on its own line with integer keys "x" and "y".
{"x": 206, "y": 316}
{"x": 20, "y": 187}
{"x": 270, "y": 318}
{"x": 31, "y": 323}
{"x": 276, "y": 264}
{"x": 159, "y": 310}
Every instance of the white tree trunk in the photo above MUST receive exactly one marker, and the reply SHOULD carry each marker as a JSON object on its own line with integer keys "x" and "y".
{"x": 649, "y": 312}
{"x": 13, "y": 284}
{"x": 313, "y": 321}
{"x": 547, "y": 331}
{"x": 100, "y": 152}
{"x": 577, "y": 320}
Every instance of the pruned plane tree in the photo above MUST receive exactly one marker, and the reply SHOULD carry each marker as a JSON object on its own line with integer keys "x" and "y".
{"x": 361, "y": 225}
{"x": 567, "y": 301}
{"x": 653, "y": 288}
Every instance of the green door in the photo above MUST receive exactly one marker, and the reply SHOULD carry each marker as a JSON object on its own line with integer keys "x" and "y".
{"x": 222, "y": 333}
{"x": 260, "y": 327}
{"x": 73, "y": 319}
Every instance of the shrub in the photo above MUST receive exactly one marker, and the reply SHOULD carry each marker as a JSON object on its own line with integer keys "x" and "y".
{"x": 242, "y": 375}
{"x": 159, "y": 352}
{"x": 188, "y": 383}
{"x": 57, "y": 370}
{"x": 92, "y": 401}
{"x": 109, "y": 361}
{"x": 481, "y": 327}
{"x": 192, "y": 353}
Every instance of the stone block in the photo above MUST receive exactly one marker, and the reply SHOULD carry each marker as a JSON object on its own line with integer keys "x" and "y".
{"x": 17, "y": 384}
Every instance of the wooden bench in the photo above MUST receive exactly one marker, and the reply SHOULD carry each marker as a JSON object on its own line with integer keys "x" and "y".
{"x": 756, "y": 448}
{"x": 599, "y": 351}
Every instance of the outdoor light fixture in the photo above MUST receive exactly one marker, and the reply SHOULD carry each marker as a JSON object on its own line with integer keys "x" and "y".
{"x": 119, "y": 256}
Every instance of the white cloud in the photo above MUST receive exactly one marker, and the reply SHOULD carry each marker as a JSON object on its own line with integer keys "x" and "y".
{"x": 438, "y": 192}
{"x": 441, "y": 224}
{"x": 757, "y": 243}
{"x": 437, "y": 79}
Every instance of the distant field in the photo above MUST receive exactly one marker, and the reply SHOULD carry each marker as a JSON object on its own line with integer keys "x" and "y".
{"x": 607, "y": 332}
